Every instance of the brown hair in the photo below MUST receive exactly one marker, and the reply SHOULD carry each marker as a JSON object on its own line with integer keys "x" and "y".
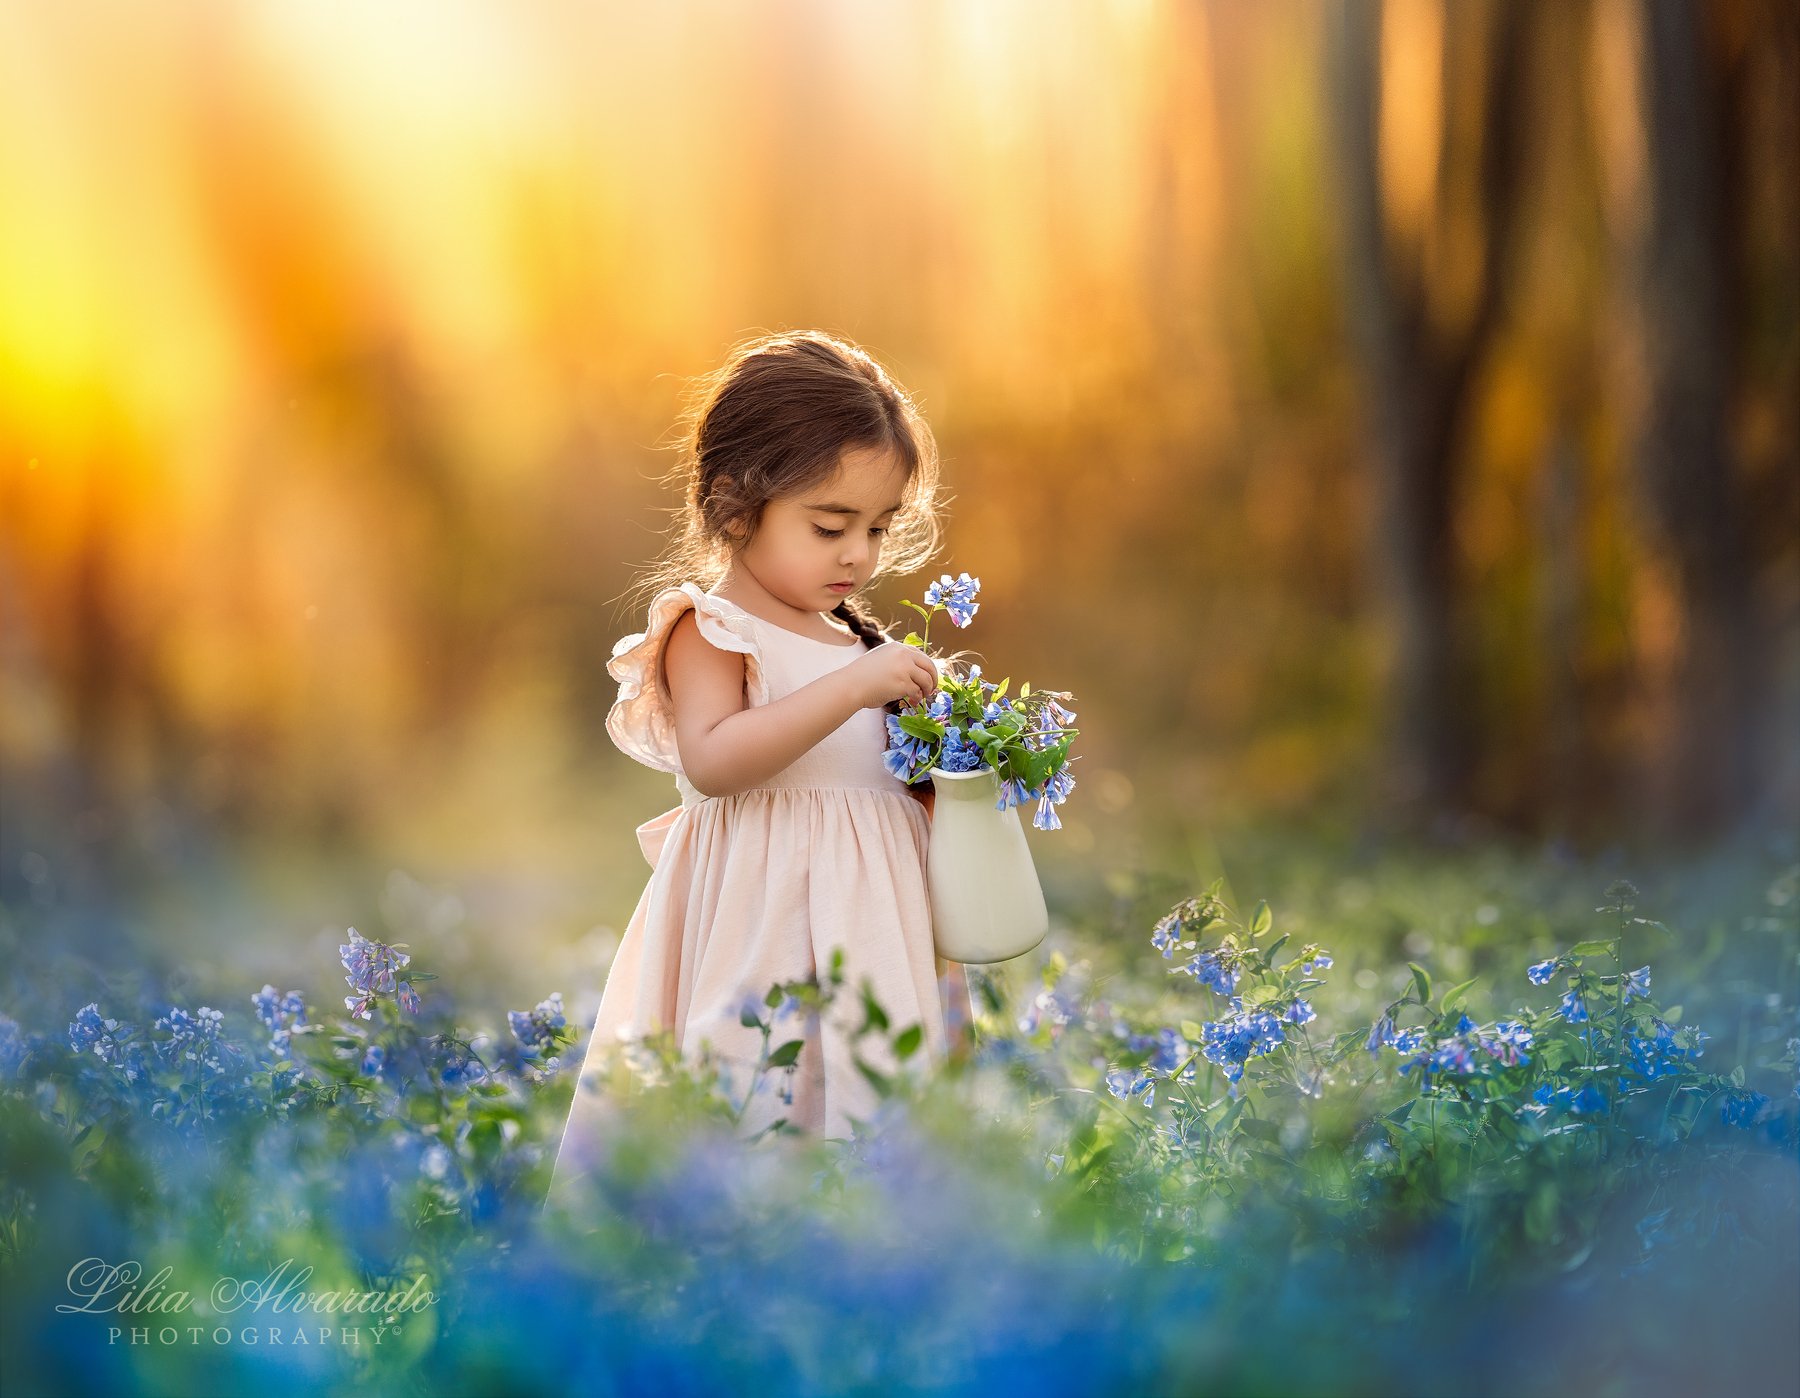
{"x": 773, "y": 421}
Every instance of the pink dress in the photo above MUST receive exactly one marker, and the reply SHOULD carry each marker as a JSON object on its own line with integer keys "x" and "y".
{"x": 760, "y": 886}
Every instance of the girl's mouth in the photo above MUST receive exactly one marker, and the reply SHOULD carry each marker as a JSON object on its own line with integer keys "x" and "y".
{"x": 841, "y": 587}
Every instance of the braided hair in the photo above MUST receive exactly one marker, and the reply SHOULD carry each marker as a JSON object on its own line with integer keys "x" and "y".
{"x": 873, "y": 634}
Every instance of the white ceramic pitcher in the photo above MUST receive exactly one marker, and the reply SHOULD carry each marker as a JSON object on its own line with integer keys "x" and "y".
{"x": 986, "y": 901}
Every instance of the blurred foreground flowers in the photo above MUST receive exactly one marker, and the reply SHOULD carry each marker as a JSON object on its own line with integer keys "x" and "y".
{"x": 1041, "y": 1210}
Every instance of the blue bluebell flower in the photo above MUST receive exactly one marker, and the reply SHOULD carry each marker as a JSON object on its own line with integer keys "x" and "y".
{"x": 1573, "y": 1007}
{"x": 193, "y": 1038}
{"x": 1742, "y": 1107}
{"x": 459, "y": 1067}
{"x": 1211, "y": 970}
{"x": 1637, "y": 985}
{"x": 280, "y": 1013}
{"x": 1656, "y": 1057}
{"x": 1300, "y": 1012}
{"x": 1319, "y": 960}
{"x": 1551, "y": 1095}
{"x": 1123, "y": 1084}
{"x": 1166, "y": 934}
{"x": 1052, "y": 1006}
{"x": 370, "y": 968}
{"x": 956, "y": 596}
{"x": 959, "y": 754}
{"x": 374, "y": 1059}
{"x": 89, "y": 1031}
{"x": 1233, "y": 1041}
{"x": 534, "y": 1029}
{"x": 1541, "y": 973}
{"x": 1381, "y": 1033}
{"x": 1508, "y": 1042}
{"x": 906, "y": 757}
{"x": 1171, "y": 1049}
{"x": 1589, "y": 1099}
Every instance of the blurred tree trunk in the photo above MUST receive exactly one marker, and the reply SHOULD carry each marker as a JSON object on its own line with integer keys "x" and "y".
{"x": 1687, "y": 276}
{"x": 1419, "y": 369}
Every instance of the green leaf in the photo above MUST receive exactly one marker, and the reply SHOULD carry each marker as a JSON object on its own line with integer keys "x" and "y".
{"x": 774, "y": 997}
{"x": 1672, "y": 1015}
{"x": 1191, "y": 1030}
{"x": 921, "y": 726}
{"x": 1093, "y": 1161}
{"x": 1598, "y": 947}
{"x": 1275, "y": 946}
{"x": 784, "y": 1056}
{"x": 749, "y": 1018}
{"x": 1421, "y": 982}
{"x": 878, "y": 1080}
{"x": 908, "y": 1042}
{"x": 1453, "y": 997}
{"x": 1024, "y": 691}
{"x": 908, "y": 602}
{"x": 913, "y": 638}
{"x": 1261, "y": 919}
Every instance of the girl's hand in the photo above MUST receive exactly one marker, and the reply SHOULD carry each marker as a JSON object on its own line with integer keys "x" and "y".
{"x": 889, "y": 672}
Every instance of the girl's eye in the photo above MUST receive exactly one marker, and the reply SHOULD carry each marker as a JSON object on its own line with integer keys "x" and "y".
{"x": 833, "y": 533}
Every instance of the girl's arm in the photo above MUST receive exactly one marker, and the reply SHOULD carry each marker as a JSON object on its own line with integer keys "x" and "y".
{"x": 727, "y": 747}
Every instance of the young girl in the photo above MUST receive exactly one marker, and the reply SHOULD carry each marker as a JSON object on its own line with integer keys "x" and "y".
{"x": 764, "y": 686}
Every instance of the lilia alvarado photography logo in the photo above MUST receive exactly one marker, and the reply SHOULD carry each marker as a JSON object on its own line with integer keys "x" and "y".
{"x": 274, "y": 1309}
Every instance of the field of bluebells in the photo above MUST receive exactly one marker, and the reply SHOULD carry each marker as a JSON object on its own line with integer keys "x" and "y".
{"x": 1181, "y": 1149}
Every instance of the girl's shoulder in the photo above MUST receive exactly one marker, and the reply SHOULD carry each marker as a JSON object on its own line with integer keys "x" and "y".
{"x": 642, "y": 719}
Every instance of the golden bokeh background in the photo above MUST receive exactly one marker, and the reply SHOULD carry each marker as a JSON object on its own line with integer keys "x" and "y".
{"x": 341, "y": 346}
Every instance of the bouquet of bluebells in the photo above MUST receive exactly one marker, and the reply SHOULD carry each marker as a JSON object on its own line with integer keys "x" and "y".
{"x": 970, "y": 722}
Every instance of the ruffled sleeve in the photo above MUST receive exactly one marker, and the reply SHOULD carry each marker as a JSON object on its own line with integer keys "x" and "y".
{"x": 642, "y": 719}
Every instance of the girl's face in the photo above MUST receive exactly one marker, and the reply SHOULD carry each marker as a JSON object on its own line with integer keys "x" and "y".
{"x": 829, "y": 534}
